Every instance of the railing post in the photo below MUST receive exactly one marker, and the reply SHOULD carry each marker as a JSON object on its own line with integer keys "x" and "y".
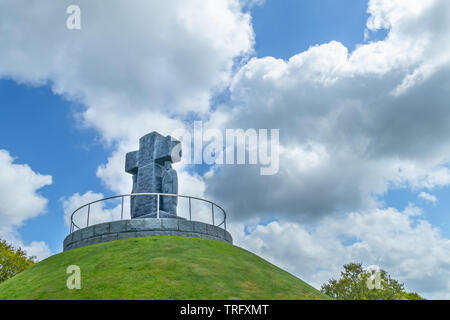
{"x": 89, "y": 212}
{"x": 157, "y": 207}
{"x": 212, "y": 211}
{"x": 121, "y": 211}
{"x": 190, "y": 210}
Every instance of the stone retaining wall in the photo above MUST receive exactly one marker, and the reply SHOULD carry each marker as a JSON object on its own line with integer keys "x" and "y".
{"x": 134, "y": 228}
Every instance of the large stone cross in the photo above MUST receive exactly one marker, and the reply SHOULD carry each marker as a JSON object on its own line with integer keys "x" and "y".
{"x": 152, "y": 173}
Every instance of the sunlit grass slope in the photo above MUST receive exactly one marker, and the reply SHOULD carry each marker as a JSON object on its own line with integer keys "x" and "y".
{"x": 159, "y": 268}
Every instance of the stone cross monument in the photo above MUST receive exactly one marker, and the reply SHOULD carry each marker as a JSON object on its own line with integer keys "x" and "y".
{"x": 151, "y": 170}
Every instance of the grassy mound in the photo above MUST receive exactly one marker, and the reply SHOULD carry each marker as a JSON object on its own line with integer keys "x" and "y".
{"x": 159, "y": 268}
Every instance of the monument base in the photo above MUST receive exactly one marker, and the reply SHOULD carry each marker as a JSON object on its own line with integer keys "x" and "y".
{"x": 134, "y": 228}
{"x": 162, "y": 214}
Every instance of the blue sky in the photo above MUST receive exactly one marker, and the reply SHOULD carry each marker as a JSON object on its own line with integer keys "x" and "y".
{"x": 40, "y": 129}
{"x": 65, "y": 104}
{"x": 285, "y": 28}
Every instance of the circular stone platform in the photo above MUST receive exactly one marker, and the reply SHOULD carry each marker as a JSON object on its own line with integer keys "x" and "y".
{"x": 149, "y": 227}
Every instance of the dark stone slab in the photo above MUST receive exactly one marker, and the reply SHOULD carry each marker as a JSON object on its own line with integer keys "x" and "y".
{"x": 133, "y": 228}
{"x": 118, "y": 226}
{"x": 87, "y": 232}
{"x": 101, "y": 229}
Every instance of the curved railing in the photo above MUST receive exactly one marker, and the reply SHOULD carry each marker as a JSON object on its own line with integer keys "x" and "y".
{"x": 158, "y": 195}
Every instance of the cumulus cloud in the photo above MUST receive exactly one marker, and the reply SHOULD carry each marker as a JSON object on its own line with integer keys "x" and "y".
{"x": 132, "y": 64}
{"x": 20, "y": 200}
{"x": 134, "y": 67}
{"x": 428, "y": 197}
{"x": 252, "y": 3}
{"x": 37, "y": 249}
{"x": 19, "y": 186}
{"x": 99, "y": 212}
{"x": 400, "y": 242}
{"x": 353, "y": 125}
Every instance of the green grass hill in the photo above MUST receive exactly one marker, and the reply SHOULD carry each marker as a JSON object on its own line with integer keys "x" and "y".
{"x": 159, "y": 268}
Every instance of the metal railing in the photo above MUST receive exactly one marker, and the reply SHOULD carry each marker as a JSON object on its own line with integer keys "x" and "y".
{"x": 158, "y": 195}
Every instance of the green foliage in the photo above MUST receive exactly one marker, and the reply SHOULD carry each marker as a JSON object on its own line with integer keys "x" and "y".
{"x": 353, "y": 285}
{"x": 159, "y": 268}
{"x": 12, "y": 261}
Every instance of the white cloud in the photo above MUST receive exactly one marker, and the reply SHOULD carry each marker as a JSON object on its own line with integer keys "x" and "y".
{"x": 428, "y": 197}
{"x": 20, "y": 200}
{"x": 132, "y": 64}
{"x": 38, "y": 249}
{"x": 248, "y": 4}
{"x": 373, "y": 137}
{"x": 19, "y": 197}
{"x": 104, "y": 211}
{"x": 402, "y": 243}
{"x": 378, "y": 119}
{"x": 135, "y": 67}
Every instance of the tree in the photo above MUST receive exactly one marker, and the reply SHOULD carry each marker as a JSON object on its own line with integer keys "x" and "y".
{"x": 359, "y": 284}
{"x": 12, "y": 261}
